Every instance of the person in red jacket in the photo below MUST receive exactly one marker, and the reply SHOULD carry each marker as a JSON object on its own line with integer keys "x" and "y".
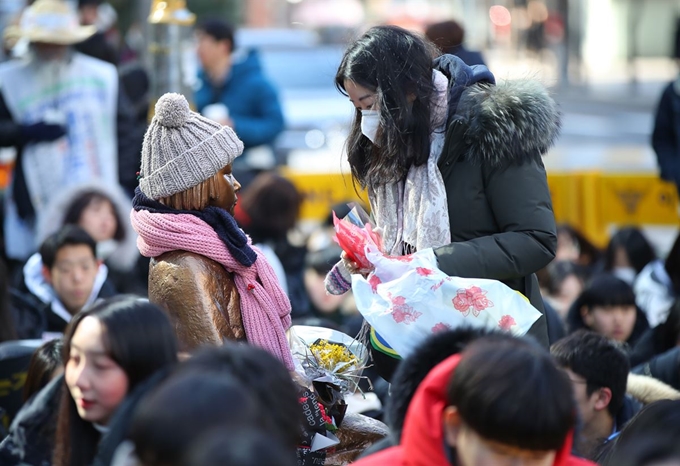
{"x": 499, "y": 403}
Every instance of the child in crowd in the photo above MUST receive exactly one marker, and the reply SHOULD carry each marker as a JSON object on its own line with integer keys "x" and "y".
{"x": 102, "y": 211}
{"x": 628, "y": 253}
{"x": 607, "y": 306}
{"x": 70, "y": 278}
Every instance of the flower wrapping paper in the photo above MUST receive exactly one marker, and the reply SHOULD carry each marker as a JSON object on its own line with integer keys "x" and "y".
{"x": 407, "y": 298}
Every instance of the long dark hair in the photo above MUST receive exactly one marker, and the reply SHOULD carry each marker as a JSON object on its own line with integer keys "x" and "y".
{"x": 140, "y": 339}
{"x": 45, "y": 360}
{"x": 638, "y": 249}
{"x": 75, "y": 211}
{"x": 397, "y": 65}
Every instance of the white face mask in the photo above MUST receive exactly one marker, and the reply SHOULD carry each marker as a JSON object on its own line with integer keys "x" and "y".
{"x": 627, "y": 274}
{"x": 370, "y": 120}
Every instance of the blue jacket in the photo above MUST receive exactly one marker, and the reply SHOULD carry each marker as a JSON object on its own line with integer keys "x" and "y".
{"x": 666, "y": 135}
{"x": 252, "y": 101}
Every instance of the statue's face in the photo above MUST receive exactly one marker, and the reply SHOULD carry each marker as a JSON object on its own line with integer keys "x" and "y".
{"x": 227, "y": 187}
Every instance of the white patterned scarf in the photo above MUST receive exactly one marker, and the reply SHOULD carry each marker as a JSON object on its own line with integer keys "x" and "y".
{"x": 413, "y": 213}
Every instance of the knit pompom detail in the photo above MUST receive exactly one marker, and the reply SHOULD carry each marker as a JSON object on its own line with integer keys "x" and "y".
{"x": 172, "y": 110}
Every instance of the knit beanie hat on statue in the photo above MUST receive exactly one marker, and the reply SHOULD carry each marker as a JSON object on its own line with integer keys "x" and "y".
{"x": 182, "y": 149}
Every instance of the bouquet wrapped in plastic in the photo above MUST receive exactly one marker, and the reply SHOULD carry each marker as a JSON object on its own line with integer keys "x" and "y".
{"x": 330, "y": 364}
{"x": 407, "y": 298}
{"x": 354, "y": 233}
{"x": 332, "y": 361}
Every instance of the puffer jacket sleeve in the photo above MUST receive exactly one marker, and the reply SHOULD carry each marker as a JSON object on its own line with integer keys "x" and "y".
{"x": 519, "y": 198}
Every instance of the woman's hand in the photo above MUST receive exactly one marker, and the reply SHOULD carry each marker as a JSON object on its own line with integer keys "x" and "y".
{"x": 352, "y": 267}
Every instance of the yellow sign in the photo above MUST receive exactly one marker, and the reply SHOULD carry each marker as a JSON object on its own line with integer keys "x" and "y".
{"x": 589, "y": 201}
{"x": 323, "y": 190}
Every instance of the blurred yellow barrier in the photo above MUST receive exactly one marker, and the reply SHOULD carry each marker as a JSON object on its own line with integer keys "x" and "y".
{"x": 601, "y": 200}
{"x": 592, "y": 202}
{"x": 322, "y": 190}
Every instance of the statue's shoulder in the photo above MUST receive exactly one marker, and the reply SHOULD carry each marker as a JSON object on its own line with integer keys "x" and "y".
{"x": 184, "y": 263}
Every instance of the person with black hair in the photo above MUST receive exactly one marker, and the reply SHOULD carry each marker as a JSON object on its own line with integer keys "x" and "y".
{"x": 259, "y": 371}
{"x": 200, "y": 401}
{"x": 267, "y": 211}
{"x": 439, "y": 148}
{"x": 449, "y": 37}
{"x": 598, "y": 370}
{"x": 46, "y": 364}
{"x": 101, "y": 210}
{"x": 628, "y": 252}
{"x": 659, "y": 421}
{"x": 607, "y": 306}
{"x": 235, "y": 81}
{"x": 412, "y": 370}
{"x": 71, "y": 278}
{"x": 499, "y": 402}
{"x": 564, "y": 282}
{"x": 109, "y": 350}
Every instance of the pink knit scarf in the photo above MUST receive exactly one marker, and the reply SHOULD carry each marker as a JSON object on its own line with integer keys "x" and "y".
{"x": 264, "y": 306}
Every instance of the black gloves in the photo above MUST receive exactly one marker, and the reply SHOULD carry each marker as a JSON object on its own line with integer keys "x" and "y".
{"x": 42, "y": 132}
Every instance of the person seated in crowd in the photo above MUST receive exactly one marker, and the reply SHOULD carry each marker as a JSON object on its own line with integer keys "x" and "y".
{"x": 628, "y": 252}
{"x": 563, "y": 283}
{"x": 203, "y": 400}
{"x": 109, "y": 351}
{"x": 660, "y": 339}
{"x": 649, "y": 439}
{"x": 574, "y": 247}
{"x": 499, "y": 402}
{"x": 607, "y": 306}
{"x": 267, "y": 210}
{"x": 71, "y": 278}
{"x": 598, "y": 370}
{"x": 102, "y": 211}
{"x": 658, "y": 285}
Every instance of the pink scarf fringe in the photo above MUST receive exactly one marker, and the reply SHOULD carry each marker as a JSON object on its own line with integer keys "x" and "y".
{"x": 264, "y": 306}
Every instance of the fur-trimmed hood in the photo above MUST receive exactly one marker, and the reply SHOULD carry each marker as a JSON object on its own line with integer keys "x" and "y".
{"x": 513, "y": 121}
{"x": 647, "y": 389}
{"x": 125, "y": 255}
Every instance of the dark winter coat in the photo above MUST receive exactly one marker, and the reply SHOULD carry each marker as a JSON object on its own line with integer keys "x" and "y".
{"x": 500, "y": 211}
{"x": 664, "y": 367}
{"x": 32, "y": 433}
{"x": 252, "y": 101}
{"x": 666, "y": 134}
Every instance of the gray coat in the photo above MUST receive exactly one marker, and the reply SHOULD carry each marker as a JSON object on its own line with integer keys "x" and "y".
{"x": 500, "y": 211}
